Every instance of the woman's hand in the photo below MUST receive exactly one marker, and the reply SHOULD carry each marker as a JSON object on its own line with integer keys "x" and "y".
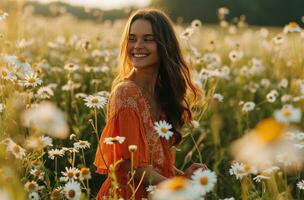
{"x": 188, "y": 172}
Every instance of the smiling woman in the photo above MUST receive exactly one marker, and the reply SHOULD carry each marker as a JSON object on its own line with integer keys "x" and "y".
{"x": 150, "y": 88}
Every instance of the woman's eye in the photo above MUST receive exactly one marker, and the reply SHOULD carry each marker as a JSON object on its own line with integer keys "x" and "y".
{"x": 149, "y": 39}
{"x": 131, "y": 38}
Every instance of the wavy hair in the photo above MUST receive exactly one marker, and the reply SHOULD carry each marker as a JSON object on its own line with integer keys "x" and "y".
{"x": 174, "y": 80}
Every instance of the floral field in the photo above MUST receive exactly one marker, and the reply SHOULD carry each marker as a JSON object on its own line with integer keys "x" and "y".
{"x": 56, "y": 75}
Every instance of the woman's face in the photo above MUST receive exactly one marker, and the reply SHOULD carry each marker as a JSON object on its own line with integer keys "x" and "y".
{"x": 142, "y": 47}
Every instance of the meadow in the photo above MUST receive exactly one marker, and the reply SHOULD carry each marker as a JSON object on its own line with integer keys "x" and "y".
{"x": 56, "y": 75}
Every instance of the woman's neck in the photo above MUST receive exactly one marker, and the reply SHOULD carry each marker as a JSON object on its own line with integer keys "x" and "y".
{"x": 145, "y": 78}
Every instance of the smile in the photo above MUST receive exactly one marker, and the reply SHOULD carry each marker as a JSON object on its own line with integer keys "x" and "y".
{"x": 139, "y": 55}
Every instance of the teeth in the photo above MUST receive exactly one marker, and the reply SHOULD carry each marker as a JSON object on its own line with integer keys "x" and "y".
{"x": 140, "y": 55}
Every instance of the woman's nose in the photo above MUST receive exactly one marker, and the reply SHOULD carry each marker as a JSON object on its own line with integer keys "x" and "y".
{"x": 138, "y": 44}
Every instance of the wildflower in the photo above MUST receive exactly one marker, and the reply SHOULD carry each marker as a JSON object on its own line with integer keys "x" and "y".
{"x": 132, "y": 148}
{"x": 175, "y": 188}
{"x": 186, "y": 35}
{"x": 240, "y": 170}
{"x": 283, "y": 83}
{"x": 46, "y": 118}
{"x": 34, "y": 142}
{"x": 196, "y": 23}
{"x": 2, "y": 106}
{"x": 163, "y": 129}
{"x": 34, "y": 196}
{"x": 265, "y": 82}
{"x": 37, "y": 173}
{"x": 300, "y": 185}
{"x": 95, "y": 101}
{"x": 15, "y": 149}
{"x": 55, "y": 152}
{"x": 272, "y": 96}
{"x": 288, "y": 114}
{"x": 81, "y": 144}
{"x": 261, "y": 146}
{"x": 203, "y": 180}
{"x": 264, "y": 32}
{"x": 84, "y": 174}
{"x": 45, "y": 93}
{"x": 32, "y": 80}
{"x": 3, "y": 15}
{"x": 55, "y": 194}
{"x": 235, "y": 55}
{"x": 70, "y": 67}
{"x": 72, "y": 190}
{"x": 31, "y": 186}
{"x": 248, "y": 106}
{"x": 285, "y": 98}
{"x": 113, "y": 140}
{"x": 6, "y": 74}
{"x": 260, "y": 177}
{"x": 47, "y": 141}
{"x": 195, "y": 123}
{"x": 151, "y": 188}
{"x": 218, "y": 97}
{"x": 223, "y": 11}
{"x": 70, "y": 173}
{"x": 278, "y": 40}
{"x": 292, "y": 27}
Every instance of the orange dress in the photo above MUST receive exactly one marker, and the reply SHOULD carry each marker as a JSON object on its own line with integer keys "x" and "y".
{"x": 129, "y": 116}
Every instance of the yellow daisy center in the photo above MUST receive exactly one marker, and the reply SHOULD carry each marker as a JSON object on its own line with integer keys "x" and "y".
{"x": 71, "y": 193}
{"x": 82, "y": 143}
{"x": 31, "y": 80}
{"x": 204, "y": 180}
{"x": 70, "y": 174}
{"x": 177, "y": 183}
{"x": 37, "y": 173}
{"x": 293, "y": 24}
{"x": 31, "y": 186}
{"x": 164, "y": 130}
{"x": 269, "y": 130}
{"x": 286, "y": 112}
{"x": 94, "y": 100}
{"x": 55, "y": 194}
{"x": 84, "y": 171}
{"x": 4, "y": 73}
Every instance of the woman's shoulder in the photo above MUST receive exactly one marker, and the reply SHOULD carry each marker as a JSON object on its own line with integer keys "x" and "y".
{"x": 125, "y": 88}
{"x": 125, "y": 95}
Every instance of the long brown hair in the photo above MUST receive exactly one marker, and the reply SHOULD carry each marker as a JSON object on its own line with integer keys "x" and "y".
{"x": 173, "y": 79}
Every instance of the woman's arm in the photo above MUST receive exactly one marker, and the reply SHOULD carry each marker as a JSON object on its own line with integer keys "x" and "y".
{"x": 151, "y": 177}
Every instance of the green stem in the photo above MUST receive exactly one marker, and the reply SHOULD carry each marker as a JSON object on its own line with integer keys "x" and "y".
{"x": 196, "y": 147}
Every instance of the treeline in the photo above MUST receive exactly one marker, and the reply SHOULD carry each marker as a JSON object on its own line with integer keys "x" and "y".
{"x": 257, "y": 12}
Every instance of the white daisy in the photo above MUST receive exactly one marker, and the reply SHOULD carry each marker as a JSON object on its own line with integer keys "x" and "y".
{"x": 259, "y": 178}
{"x": 70, "y": 173}
{"x": 37, "y": 173}
{"x": 47, "y": 141}
{"x": 175, "y": 188}
{"x": 163, "y": 129}
{"x": 3, "y": 15}
{"x": 218, "y": 97}
{"x": 71, "y": 67}
{"x": 288, "y": 114}
{"x": 113, "y": 140}
{"x": 45, "y": 93}
{"x": 203, "y": 180}
{"x": 283, "y": 83}
{"x": 95, "y": 101}
{"x": 15, "y": 149}
{"x": 72, "y": 190}
{"x": 33, "y": 196}
{"x": 248, "y": 106}
{"x": 240, "y": 170}
{"x": 186, "y": 34}
{"x": 300, "y": 185}
{"x": 56, "y": 152}
{"x": 46, "y": 118}
{"x": 6, "y": 74}
{"x": 81, "y": 144}
{"x": 2, "y": 106}
{"x": 32, "y": 80}
{"x": 292, "y": 27}
{"x": 31, "y": 186}
{"x": 235, "y": 55}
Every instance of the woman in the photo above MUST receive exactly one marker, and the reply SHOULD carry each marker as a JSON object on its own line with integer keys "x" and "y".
{"x": 151, "y": 86}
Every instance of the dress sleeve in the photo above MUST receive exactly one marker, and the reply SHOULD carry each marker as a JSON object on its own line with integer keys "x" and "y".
{"x": 125, "y": 123}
